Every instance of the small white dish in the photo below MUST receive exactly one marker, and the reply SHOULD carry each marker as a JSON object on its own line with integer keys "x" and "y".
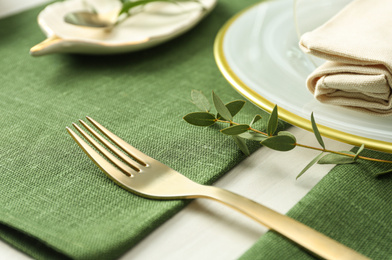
{"x": 257, "y": 52}
{"x": 156, "y": 24}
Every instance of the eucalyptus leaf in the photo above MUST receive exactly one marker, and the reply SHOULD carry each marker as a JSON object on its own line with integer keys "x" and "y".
{"x": 128, "y": 5}
{"x": 312, "y": 162}
{"x": 221, "y": 107}
{"x": 253, "y": 136}
{"x": 235, "y": 106}
{"x": 280, "y": 143}
{"x": 316, "y": 131}
{"x": 200, "y": 118}
{"x": 273, "y": 121}
{"x": 255, "y": 119}
{"x": 286, "y": 133}
{"x": 333, "y": 158}
{"x": 235, "y": 129}
{"x": 359, "y": 151}
{"x": 200, "y": 100}
{"x": 384, "y": 172}
{"x": 241, "y": 144}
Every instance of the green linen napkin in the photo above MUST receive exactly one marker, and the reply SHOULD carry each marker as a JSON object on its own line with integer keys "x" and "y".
{"x": 350, "y": 205}
{"x": 54, "y": 202}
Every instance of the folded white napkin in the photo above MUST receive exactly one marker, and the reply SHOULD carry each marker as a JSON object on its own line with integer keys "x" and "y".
{"x": 357, "y": 44}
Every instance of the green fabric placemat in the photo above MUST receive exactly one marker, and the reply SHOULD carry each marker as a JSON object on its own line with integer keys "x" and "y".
{"x": 54, "y": 202}
{"x": 350, "y": 205}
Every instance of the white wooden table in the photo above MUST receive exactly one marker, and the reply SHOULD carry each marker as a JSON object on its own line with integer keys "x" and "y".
{"x": 205, "y": 229}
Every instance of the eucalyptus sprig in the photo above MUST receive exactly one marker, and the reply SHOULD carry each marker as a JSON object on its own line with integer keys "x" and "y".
{"x": 270, "y": 137}
{"x": 128, "y": 5}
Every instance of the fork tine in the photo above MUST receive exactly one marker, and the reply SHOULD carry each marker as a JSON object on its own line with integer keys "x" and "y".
{"x": 125, "y": 168}
{"x": 132, "y": 151}
{"x": 114, "y": 149}
{"x": 110, "y": 170}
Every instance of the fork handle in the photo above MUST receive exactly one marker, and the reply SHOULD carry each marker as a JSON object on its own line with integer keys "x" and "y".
{"x": 297, "y": 232}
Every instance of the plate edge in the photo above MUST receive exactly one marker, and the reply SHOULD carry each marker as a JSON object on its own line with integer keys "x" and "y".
{"x": 285, "y": 115}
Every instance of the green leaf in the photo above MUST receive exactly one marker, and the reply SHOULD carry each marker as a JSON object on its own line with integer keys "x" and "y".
{"x": 221, "y": 108}
{"x": 200, "y": 118}
{"x": 384, "y": 172}
{"x": 359, "y": 151}
{"x": 255, "y": 119}
{"x": 316, "y": 131}
{"x": 235, "y": 106}
{"x": 312, "y": 162}
{"x": 280, "y": 143}
{"x": 273, "y": 122}
{"x": 253, "y": 136}
{"x": 332, "y": 158}
{"x": 286, "y": 133}
{"x": 235, "y": 129}
{"x": 128, "y": 5}
{"x": 200, "y": 100}
{"x": 242, "y": 145}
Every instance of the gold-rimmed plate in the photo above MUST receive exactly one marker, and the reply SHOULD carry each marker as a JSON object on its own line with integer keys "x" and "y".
{"x": 257, "y": 52}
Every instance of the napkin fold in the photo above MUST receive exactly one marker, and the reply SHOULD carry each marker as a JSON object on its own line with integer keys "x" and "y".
{"x": 357, "y": 44}
{"x": 350, "y": 204}
{"x": 54, "y": 202}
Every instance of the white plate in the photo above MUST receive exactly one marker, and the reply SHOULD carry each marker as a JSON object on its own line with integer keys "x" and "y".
{"x": 257, "y": 52}
{"x": 157, "y": 23}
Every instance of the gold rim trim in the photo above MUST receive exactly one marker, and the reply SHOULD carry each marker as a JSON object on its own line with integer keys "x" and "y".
{"x": 285, "y": 115}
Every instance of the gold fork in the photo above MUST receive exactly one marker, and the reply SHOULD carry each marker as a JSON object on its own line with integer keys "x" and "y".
{"x": 147, "y": 177}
